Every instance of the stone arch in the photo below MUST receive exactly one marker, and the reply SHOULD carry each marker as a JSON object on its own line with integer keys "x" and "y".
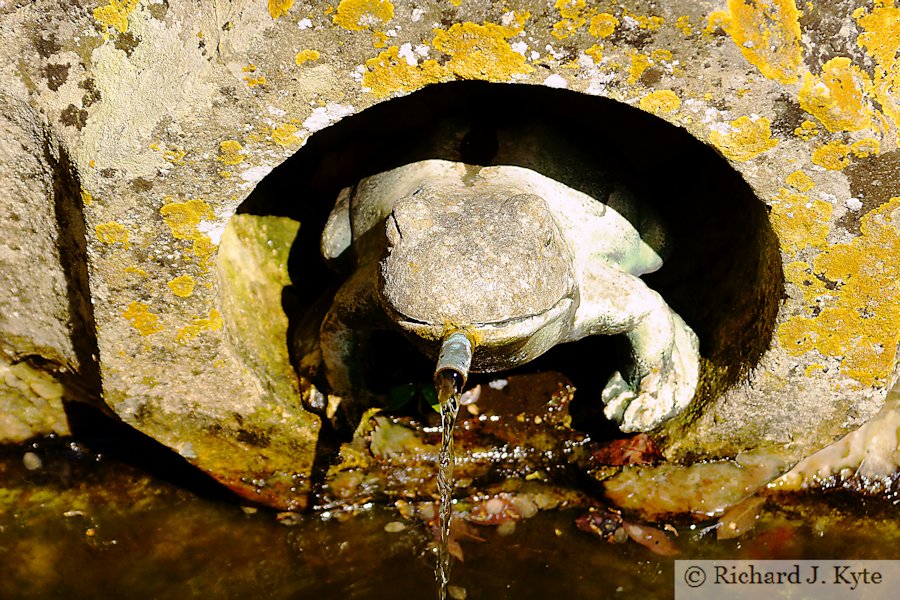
{"x": 724, "y": 276}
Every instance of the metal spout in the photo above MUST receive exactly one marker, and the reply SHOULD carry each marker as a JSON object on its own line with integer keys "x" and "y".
{"x": 455, "y": 356}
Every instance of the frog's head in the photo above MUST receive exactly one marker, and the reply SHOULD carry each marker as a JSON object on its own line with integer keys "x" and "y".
{"x": 490, "y": 260}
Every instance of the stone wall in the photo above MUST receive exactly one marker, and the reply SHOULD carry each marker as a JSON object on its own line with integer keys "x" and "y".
{"x": 131, "y": 132}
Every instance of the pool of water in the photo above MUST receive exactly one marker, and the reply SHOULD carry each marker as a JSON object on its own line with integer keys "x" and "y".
{"x": 84, "y": 526}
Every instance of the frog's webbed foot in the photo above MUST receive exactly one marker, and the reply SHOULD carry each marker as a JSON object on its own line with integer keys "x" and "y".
{"x": 663, "y": 376}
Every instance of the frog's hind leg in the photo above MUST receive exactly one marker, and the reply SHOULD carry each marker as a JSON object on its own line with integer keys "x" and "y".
{"x": 347, "y": 325}
{"x": 663, "y": 372}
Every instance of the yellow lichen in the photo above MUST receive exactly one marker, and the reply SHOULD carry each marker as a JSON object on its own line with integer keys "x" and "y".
{"x": 174, "y": 156}
{"x": 800, "y": 222}
{"x": 285, "y": 135}
{"x": 814, "y": 369}
{"x": 211, "y": 323}
{"x": 881, "y": 39}
{"x": 865, "y": 147}
{"x": 603, "y": 25}
{"x": 517, "y": 24}
{"x": 640, "y": 62}
{"x": 136, "y": 271}
{"x": 662, "y": 101}
{"x": 115, "y": 14}
{"x": 833, "y": 155}
{"x": 572, "y": 13}
{"x": 806, "y": 131}
{"x": 183, "y": 219}
{"x": 800, "y": 181}
{"x": 358, "y": 15}
{"x": 279, "y": 7}
{"x": 306, "y": 56}
{"x": 838, "y": 96}
{"x": 230, "y": 152}
{"x": 650, "y": 23}
{"x": 480, "y": 52}
{"x": 86, "y": 197}
{"x": 142, "y": 319}
{"x": 745, "y": 139}
{"x": 767, "y": 32}
{"x": 182, "y": 286}
{"x": 388, "y": 73}
{"x": 379, "y": 39}
{"x": 661, "y": 54}
{"x": 112, "y": 233}
{"x": 595, "y": 52}
{"x": 860, "y": 325}
{"x": 683, "y": 24}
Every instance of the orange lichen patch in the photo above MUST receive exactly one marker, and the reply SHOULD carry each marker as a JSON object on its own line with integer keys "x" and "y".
{"x": 745, "y": 139}
{"x": 683, "y": 24}
{"x": 833, "y": 155}
{"x": 800, "y": 222}
{"x": 142, "y": 319}
{"x": 279, "y": 7}
{"x": 800, "y": 181}
{"x": 211, "y": 323}
{"x": 86, "y": 197}
{"x": 838, "y": 97}
{"x": 640, "y": 62}
{"x": 806, "y": 131}
{"x": 861, "y": 326}
{"x": 359, "y": 15}
{"x": 388, "y": 73}
{"x": 115, "y": 14}
{"x": 112, "y": 233}
{"x": 865, "y": 147}
{"x": 881, "y": 39}
{"x": 603, "y": 25}
{"x": 182, "y": 286}
{"x": 305, "y": 56}
{"x": 767, "y": 32}
{"x": 480, "y": 52}
{"x": 230, "y": 152}
{"x": 662, "y": 101}
{"x": 285, "y": 135}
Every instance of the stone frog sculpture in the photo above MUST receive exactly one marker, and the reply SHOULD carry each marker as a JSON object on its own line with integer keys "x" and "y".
{"x": 520, "y": 262}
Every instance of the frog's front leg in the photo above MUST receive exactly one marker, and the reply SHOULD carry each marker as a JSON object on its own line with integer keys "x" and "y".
{"x": 354, "y": 313}
{"x": 662, "y": 377}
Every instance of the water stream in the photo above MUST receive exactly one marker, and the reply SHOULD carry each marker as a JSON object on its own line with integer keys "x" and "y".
{"x": 449, "y": 386}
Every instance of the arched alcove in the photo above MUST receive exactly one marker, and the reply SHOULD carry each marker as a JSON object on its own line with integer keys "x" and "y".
{"x": 724, "y": 273}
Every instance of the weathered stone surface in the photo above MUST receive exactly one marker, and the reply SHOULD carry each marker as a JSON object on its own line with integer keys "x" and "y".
{"x": 133, "y": 131}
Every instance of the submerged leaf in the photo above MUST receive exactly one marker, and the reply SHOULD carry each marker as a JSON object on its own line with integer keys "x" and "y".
{"x": 739, "y": 519}
{"x": 651, "y": 537}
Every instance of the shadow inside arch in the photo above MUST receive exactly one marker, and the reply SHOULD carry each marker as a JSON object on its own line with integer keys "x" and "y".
{"x": 724, "y": 275}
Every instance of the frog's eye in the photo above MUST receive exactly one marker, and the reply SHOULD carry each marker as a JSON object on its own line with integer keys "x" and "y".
{"x": 548, "y": 238}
